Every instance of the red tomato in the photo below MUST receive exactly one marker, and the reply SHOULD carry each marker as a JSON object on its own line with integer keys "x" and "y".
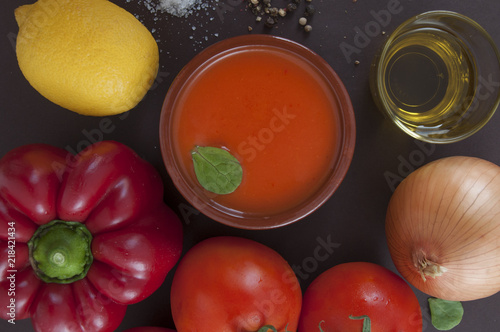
{"x": 360, "y": 289}
{"x": 231, "y": 284}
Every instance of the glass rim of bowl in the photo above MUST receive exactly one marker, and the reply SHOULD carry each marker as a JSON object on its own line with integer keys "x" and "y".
{"x": 340, "y": 165}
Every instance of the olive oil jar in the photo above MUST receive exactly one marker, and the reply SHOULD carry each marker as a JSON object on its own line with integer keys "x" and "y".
{"x": 437, "y": 77}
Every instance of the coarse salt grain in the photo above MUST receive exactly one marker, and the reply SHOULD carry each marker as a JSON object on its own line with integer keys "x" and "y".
{"x": 192, "y": 25}
{"x": 180, "y": 8}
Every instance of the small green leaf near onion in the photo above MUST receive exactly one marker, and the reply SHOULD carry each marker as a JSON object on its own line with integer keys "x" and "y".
{"x": 445, "y": 314}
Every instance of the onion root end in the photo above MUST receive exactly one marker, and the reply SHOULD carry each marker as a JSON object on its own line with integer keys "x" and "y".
{"x": 426, "y": 267}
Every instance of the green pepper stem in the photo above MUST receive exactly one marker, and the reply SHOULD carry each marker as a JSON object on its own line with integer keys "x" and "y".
{"x": 60, "y": 251}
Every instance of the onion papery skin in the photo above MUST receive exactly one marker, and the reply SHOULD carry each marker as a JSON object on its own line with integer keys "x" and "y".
{"x": 447, "y": 214}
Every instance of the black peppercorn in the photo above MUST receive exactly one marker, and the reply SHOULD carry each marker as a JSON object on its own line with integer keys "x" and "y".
{"x": 270, "y": 22}
{"x": 273, "y": 11}
{"x": 267, "y": 12}
{"x": 310, "y": 10}
{"x": 291, "y": 7}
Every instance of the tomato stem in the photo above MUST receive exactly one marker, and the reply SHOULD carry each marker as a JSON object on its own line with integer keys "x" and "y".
{"x": 367, "y": 324}
{"x": 266, "y": 328}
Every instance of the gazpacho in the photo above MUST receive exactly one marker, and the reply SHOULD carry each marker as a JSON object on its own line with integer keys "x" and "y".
{"x": 273, "y": 111}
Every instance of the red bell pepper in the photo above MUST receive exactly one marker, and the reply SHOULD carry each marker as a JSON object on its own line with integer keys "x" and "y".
{"x": 81, "y": 237}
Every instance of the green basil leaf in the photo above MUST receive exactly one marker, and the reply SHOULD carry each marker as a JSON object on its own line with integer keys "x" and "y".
{"x": 445, "y": 315}
{"x": 216, "y": 169}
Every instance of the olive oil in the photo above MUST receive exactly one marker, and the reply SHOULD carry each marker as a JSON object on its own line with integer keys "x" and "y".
{"x": 428, "y": 82}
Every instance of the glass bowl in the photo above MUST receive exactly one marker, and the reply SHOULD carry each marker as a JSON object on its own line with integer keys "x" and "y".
{"x": 437, "y": 77}
{"x": 210, "y": 84}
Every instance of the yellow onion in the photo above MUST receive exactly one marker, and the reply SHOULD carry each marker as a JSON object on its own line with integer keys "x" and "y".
{"x": 443, "y": 228}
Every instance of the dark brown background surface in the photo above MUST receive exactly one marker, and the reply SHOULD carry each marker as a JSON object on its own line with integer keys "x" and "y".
{"x": 354, "y": 216}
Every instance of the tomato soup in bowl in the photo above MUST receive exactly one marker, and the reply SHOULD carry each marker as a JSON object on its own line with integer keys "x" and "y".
{"x": 279, "y": 109}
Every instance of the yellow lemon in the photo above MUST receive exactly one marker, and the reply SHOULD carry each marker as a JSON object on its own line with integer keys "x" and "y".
{"x": 89, "y": 56}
